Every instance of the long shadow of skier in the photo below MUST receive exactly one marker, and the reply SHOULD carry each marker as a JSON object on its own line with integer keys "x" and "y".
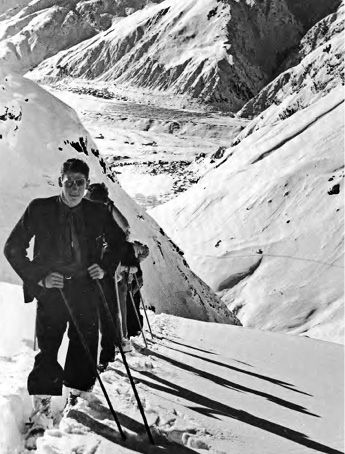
{"x": 199, "y": 349}
{"x": 275, "y": 381}
{"x": 232, "y": 385}
{"x": 188, "y": 346}
{"x": 211, "y": 408}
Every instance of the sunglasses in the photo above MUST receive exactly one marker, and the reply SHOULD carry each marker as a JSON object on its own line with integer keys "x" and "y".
{"x": 78, "y": 182}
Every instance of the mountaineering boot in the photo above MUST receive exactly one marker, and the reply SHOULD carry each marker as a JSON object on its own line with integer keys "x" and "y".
{"x": 101, "y": 367}
{"x": 126, "y": 346}
{"x": 74, "y": 396}
{"x": 40, "y": 420}
{"x": 72, "y": 399}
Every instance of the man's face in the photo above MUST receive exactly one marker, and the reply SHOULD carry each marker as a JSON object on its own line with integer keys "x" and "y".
{"x": 73, "y": 187}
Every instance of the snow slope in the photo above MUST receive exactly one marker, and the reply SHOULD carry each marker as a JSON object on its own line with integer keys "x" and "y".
{"x": 219, "y": 52}
{"x": 205, "y": 387}
{"x": 37, "y": 133}
{"x": 268, "y": 218}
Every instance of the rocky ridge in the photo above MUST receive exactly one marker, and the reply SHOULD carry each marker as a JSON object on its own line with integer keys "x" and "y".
{"x": 313, "y": 70}
{"x": 32, "y": 31}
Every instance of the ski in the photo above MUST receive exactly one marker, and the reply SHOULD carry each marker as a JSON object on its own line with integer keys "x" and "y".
{"x": 95, "y": 426}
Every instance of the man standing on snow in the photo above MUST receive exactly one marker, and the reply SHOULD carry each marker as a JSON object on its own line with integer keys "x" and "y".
{"x": 68, "y": 254}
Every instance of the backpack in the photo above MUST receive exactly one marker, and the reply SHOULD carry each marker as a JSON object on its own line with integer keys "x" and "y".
{"x": 119, "y": 218}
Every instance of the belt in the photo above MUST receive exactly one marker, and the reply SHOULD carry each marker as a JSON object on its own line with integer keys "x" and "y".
{"x": 76, "y": 275}
{"x": 72, "y": 272}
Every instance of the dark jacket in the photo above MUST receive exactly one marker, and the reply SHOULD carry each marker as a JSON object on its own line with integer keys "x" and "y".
{"x": 39, "y": 221}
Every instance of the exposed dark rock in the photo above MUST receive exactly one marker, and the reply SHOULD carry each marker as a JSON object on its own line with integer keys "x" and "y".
{"x": 79, "y": 146}
{"x": 218, "y": 154}
{"x": 334, "y": 190}
{"x": 212, "y": 13}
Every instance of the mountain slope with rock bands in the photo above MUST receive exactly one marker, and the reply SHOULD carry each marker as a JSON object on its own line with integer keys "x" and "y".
{"x": 221, "y": 52}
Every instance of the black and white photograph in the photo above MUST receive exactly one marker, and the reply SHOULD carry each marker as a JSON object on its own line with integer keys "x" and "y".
{"x": 172, "y": 226}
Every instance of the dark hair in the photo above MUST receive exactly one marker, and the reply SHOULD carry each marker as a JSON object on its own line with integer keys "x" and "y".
{"x": 75, "y": 165}
{"x": 98, "y": 192}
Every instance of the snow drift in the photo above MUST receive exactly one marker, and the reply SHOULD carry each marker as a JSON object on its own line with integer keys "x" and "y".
{"x": 37, "y": 133}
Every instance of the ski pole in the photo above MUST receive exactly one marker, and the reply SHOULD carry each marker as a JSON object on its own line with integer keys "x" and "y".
{"x": 137, "y": 315}
{"x": 143, "y": 305}
{"x": 35, "y": 334}
{"x": 136, "y": 312}
{"x": 92, "y": 362}
{"x": 121, "y": 321}
{"x": 111, "y": 318}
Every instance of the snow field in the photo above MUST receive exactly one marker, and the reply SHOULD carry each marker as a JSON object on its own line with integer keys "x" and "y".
{"x": 205, "y": 387}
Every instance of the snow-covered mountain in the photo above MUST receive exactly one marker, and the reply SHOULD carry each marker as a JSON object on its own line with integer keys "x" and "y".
{"x": 37, "y": 133}
{"x": 221, "y": 52}
{"x": 268, "y": 219}
{"x": 314, "y": 69}
{"x": 265, "y": 201}
{"x": 33, "y": 30}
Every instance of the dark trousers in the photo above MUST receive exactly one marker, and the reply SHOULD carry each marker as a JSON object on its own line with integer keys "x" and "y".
{"x": 125, "y": 325}
{"x": 133, "y": 326}
{"x": 47, "y": 375}
{"x": 110, "y": 327}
